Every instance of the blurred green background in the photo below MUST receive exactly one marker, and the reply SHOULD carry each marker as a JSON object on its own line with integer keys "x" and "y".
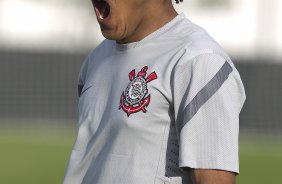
{"x": 43, "y": 43}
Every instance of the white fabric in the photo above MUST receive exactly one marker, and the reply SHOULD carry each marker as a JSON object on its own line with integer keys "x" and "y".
{"x": 150, "y": 146}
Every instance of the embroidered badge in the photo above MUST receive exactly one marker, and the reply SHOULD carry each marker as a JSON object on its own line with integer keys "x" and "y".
{"x": 135, "y": 97}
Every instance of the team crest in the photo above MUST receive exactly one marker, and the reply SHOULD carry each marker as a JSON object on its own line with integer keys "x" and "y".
{"x": 135, "y": 97}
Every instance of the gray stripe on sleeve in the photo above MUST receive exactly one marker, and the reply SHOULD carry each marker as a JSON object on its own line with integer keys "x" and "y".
{"x": 204, "y": 95}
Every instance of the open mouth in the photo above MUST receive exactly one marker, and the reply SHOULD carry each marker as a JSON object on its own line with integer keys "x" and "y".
{"x": 102, "y": 8}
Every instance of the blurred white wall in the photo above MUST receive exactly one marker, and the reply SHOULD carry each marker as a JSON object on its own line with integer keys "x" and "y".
{"x": 279, "y": 27}
{"x": 246, "y": 28}
{"x": 56, "y": 25}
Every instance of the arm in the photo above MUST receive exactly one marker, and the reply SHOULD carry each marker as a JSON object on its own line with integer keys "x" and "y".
{"x": 209, "y": 176}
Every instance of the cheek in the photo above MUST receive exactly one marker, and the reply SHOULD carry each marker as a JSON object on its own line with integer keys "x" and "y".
{"x": 116, "y": 31}
{"x": 121, "y": 26}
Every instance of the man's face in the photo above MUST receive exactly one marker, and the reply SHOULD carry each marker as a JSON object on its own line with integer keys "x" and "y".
{"x": 121, "y": 19}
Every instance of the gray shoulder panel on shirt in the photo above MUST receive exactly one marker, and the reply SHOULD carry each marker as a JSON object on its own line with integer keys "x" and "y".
{"x": 204, "y": 95}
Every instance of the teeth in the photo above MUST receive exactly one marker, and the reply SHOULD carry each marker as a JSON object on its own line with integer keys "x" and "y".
{"x": 103, "y": 10}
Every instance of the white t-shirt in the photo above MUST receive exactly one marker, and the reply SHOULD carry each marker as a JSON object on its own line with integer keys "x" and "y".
{"x": 148, "y": 108}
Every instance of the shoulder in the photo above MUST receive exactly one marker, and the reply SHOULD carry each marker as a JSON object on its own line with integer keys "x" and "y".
{"x": 197, "y": 46}
{"x": 201, "y": 57}
{"x": 103, "y": 50}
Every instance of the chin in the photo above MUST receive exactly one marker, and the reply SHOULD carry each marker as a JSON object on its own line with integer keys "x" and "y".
{"x": 110, "y": 36}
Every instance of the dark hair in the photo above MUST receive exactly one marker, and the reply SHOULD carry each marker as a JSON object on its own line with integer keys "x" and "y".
{"x": 177, "y": 1}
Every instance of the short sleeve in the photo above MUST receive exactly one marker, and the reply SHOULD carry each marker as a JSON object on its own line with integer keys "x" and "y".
{"x": 208, "y": 96}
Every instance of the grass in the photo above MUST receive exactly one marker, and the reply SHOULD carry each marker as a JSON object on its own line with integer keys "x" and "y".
{"x": 260, "y": 160}
{"x": 33, "y": 157}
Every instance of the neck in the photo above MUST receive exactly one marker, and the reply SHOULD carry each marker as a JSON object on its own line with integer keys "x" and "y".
{"x": 158, "y": 14}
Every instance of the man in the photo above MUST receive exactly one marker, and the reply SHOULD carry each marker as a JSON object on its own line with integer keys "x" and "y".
{"x": 159, "y": 101}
